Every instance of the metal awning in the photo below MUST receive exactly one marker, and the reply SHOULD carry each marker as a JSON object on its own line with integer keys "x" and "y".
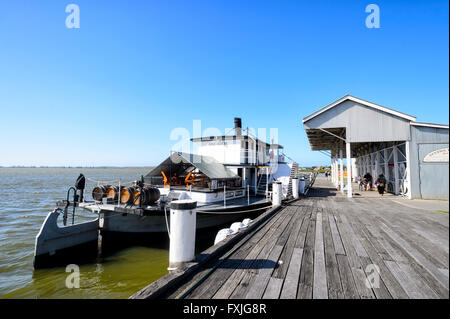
{"x": 328, "y": 140}
{"x": 322, "y": 140}
{"x": 181, "y": 163}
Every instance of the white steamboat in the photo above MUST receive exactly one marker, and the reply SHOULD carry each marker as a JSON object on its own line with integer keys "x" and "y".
{"x": 230, "y": 178}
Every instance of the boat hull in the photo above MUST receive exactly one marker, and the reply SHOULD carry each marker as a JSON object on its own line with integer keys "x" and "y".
{"x": 54, "y": 243}
{"x": 156, "y": 223}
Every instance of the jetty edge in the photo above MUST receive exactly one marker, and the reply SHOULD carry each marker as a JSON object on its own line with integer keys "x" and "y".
{"x": 159, "y": 287}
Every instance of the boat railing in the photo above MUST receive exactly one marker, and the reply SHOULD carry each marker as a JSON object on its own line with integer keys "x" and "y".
{"x": 253, "y": 157}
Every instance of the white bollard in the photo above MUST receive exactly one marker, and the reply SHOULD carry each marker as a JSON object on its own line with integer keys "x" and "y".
{"x": 277, "y": 193}
{"x": 182, "y": 232}
{"x": 301, "y": 186}
{"x": 295, "y": 187}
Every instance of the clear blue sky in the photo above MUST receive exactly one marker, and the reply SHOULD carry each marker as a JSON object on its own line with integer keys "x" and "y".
{"x": 110, "y": 92}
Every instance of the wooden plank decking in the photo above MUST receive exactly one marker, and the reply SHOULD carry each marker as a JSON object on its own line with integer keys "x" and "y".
{"x": 328, "y": 246}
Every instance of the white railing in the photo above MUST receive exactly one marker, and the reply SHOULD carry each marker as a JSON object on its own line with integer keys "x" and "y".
{"x": 253, "y": 157}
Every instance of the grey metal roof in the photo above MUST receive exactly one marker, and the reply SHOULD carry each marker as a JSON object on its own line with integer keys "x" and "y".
{"x": 434, "y": 125}
{"x": 209, "y": 166}
{"x": 363, "y": 102}
{"x": 179, "y": 163}
{"x": 355, "y": 121}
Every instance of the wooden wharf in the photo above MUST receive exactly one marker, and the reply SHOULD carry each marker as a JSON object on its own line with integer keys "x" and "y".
{"x": 323, "y": 246}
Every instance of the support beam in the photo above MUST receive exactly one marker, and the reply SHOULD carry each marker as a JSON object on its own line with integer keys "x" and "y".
{"x": 396, "y": 176}
{"x": 349, "y": 169}
{"x": 360, "y": 169}
{"x": 368, "y": 163}
{"x": 341, "y": 166}
{"x": 331, "y": 165}
{"x": 372, "y": 164}
{"x": 335, "y": 171}
{"x": 408, "y": 169}
{"x": 364, "y": 165}
{"x": 337, "y": 136}
{"x": 333, "y": 174}
{"x": 386, "y": 165}
{"x": 377, "y": 164}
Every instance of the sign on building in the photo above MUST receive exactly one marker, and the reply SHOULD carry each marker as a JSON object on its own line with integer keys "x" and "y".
{"x": 437, "y": 156}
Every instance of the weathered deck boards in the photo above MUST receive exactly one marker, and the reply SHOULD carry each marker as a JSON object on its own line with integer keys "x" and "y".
{"x": 328, "y": 246}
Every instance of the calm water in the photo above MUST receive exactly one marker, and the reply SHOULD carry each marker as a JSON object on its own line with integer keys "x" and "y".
{"x": 27, "y": 195}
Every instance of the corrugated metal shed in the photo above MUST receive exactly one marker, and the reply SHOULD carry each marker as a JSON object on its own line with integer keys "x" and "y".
{"x": 382, "y": 141}
{"x": 357, "y": 121}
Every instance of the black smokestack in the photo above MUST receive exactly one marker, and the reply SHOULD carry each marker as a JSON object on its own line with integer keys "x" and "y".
{"x": 238, "y": 126}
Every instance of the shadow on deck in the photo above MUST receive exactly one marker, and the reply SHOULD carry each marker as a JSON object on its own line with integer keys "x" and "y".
{"x": 326, "y": 246}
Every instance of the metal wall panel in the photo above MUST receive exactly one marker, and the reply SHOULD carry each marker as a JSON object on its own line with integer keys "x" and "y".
{"x": 433, "y": 177}
{"x": 428, "y": 180}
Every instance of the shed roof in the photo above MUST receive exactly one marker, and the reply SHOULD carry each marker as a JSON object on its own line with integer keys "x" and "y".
{"x": 354, "y": 120}
{"x": 434, "y": 125}
{"x": 349, "y": 97}
{"x": 362, "y": 123}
